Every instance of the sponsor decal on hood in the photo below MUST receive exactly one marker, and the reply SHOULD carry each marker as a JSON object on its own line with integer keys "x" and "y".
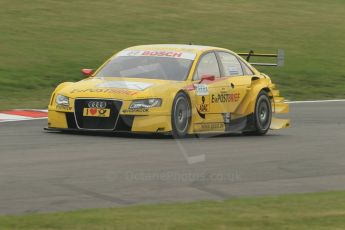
{"x": 131, "y": 85}
{"x": 105, "y": 90}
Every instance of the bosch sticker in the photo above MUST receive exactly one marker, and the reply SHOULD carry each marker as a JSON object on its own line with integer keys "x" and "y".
{"x": 157, "y": 53}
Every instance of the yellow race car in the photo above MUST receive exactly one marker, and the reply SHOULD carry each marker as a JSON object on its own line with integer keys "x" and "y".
{"x": 173, "y": 89}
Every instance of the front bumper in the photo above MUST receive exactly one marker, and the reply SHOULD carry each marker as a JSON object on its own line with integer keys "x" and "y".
{"x": 125, "y": 123}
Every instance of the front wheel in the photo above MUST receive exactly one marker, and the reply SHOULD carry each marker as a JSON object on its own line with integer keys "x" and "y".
{"x": 262, "y": 115}
{"x": 180, "y": 115}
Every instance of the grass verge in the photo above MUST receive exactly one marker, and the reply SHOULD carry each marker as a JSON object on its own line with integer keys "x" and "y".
{"x": 45, "y": 42}
{"x": 303, "y": 211}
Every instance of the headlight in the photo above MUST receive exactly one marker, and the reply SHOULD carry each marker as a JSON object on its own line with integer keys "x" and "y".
{"x": 146, "y": 103}
{"x": 62, "y": 100}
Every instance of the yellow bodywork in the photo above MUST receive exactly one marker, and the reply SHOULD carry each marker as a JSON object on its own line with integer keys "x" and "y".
{"x": 207, "y": 110}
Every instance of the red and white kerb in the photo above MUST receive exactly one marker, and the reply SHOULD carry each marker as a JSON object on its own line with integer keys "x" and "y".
{"x": 21, "y": 115}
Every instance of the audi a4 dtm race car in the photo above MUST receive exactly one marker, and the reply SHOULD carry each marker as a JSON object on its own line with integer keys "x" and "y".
{"x": 174, "y": 89}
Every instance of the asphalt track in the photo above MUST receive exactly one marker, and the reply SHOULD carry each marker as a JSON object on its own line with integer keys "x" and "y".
{"x": 42, "y": 171}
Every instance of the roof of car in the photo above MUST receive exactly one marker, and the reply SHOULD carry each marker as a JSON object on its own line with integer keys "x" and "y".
{"x": 175, "y": 47}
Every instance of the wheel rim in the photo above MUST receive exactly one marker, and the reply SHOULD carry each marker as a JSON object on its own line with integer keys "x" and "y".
{"x": 264, "y": 114}
{"x": 181, "y": 115}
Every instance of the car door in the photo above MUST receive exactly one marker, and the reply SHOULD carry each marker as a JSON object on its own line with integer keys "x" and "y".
{"x": 238, "y": 79}
{"x": 207, "y": 82}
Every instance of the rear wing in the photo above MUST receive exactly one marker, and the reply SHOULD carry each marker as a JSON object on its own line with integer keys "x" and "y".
{"x": 280, "y": 58}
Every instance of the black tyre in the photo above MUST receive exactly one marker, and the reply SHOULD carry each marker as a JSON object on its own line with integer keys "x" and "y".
{"x": 262, "y": 115}
{"x": 180, "y": 115}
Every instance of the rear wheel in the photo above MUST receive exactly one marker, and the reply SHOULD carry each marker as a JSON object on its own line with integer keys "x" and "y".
{"x": 262, "y": 115}
{"x": 180, "y": 116}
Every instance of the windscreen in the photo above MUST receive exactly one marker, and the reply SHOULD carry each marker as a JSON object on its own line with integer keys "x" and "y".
{"x": 155, "y": 65}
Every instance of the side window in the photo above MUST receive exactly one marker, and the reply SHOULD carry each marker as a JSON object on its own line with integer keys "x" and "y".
{"x": 231, "y": 65}
{"x": 207, "y": 65}
{"x": 246, "y": 69}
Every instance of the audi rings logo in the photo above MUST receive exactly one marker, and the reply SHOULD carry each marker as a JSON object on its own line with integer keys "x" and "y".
{"x": 97, "y": 104}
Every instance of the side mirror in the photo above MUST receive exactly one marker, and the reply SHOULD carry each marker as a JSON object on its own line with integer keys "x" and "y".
{"x": 87, "y": 72}
{"x": 207, "y": 77}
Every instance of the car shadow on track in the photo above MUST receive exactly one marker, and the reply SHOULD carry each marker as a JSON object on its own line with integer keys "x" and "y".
{"x": 157, "y": 136}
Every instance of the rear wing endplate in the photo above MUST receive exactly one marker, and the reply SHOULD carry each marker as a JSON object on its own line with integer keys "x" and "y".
{"x": 280, "y": 58}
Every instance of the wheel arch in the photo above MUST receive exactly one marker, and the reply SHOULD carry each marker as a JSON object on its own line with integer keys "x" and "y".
{"x": 186, "y": 94}
{"x": 255, "y": 125}
{"x": 248, "y": 104}
{"x": 268, "y": 91}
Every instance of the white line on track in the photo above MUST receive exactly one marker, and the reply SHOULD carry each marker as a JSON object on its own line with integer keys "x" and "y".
{"x": 316, "y": 101}
{"x": 24, "y": 119}
{"x": 11, "y": 117}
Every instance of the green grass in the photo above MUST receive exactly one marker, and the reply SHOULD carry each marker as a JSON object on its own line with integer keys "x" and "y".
{"x": 44, "y": 42}
{"x": 306, "y": 211}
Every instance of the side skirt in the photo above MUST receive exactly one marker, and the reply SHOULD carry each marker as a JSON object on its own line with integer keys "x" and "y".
{"x": 240, "y": 124}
